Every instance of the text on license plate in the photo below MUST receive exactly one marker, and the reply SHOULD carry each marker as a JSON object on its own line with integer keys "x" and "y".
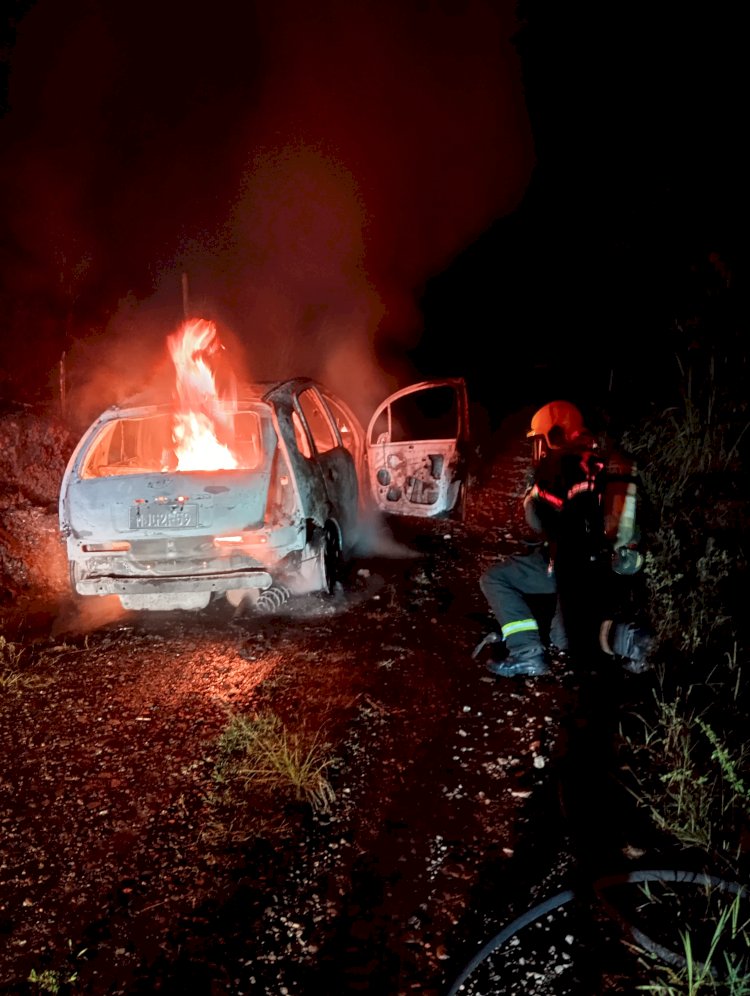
{"x": 164, "y": 518}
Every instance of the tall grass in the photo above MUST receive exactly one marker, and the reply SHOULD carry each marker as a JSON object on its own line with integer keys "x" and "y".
{"x": 689, "y": 779}
{"x": 697, "y": 438}
{"x": 719, "y": 964}
{"x": 691, "y": 459}
{"x": 687, "y": 751}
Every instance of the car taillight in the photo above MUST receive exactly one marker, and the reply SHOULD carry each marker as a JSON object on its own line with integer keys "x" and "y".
{"x": 238, "y": 539}
{"x": 116, "y": 546}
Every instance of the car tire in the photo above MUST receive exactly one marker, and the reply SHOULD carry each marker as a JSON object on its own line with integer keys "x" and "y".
{"x": 332, "y": 558}
{"x": 460, "y": 508}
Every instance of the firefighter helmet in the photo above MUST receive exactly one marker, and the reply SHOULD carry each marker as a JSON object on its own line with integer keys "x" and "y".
{"x": 555, "y": 425}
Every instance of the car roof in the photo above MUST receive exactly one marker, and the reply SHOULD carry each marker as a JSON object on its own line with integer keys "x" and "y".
{"x": 247, "y": 391}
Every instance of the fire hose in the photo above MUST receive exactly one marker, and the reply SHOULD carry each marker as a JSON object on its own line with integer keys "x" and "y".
{"x": 599, "y": 886}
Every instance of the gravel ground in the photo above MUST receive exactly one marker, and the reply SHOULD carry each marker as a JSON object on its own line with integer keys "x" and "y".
{"x": 121, "y": 873}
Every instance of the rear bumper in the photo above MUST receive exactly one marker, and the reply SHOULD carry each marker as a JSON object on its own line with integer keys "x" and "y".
{"x": 174, "y": 584}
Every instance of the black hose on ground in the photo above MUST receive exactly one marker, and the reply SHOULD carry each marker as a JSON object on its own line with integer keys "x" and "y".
{"x": 664, "y": 875}
{"x": 555, "y": 902}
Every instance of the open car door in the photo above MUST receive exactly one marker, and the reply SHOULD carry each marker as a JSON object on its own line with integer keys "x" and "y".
{"x": 416, "y": 451}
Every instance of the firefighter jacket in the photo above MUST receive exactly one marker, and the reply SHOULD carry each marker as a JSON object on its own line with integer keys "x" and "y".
{"x": 583, "y": 506}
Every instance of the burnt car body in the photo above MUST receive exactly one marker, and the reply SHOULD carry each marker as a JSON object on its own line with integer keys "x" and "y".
{"x": 284, "y": 518}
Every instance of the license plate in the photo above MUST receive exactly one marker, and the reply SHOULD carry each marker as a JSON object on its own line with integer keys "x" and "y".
{"x": 168, "y": 517}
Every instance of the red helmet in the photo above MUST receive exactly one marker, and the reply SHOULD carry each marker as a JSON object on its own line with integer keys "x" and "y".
{"x": 554, "y": 426}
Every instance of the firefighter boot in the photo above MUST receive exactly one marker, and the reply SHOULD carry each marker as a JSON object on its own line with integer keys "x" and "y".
{"x": 529, "y": 663}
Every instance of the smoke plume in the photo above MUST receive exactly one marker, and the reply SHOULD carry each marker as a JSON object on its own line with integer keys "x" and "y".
{"x": 308, "y": 166}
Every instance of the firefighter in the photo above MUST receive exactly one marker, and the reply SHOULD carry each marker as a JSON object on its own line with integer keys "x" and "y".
{"x": 579, "y": 506}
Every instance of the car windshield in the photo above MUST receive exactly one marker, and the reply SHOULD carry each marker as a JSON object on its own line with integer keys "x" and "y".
{"x": 146, "y": 444}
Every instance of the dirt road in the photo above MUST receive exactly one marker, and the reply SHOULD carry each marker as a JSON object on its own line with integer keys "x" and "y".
{"x": 119, "y": 875}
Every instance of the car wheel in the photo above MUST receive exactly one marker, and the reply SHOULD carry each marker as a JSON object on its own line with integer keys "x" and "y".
{"x": 460, "y": 509}
{"x": 331, "y": 558}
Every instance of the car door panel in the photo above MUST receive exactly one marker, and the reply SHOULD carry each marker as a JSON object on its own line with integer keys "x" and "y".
{"x": 337, "y": 464}
{"x": 417, "y": 449}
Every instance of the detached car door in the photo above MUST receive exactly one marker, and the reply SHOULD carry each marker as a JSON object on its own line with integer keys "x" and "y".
{"x": 417, "y": 448}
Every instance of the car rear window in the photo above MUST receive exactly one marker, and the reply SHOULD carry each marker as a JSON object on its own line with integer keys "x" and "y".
{"x": 145, "y": 445}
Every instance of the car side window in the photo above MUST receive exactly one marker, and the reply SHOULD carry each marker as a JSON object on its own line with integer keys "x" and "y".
{"x": 300, "y": 436}
{"x": 346, "y": 431}
{"x": 318, "y": 421}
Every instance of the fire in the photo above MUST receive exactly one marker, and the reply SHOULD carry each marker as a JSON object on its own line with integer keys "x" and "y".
{"x": 203, "y": 431}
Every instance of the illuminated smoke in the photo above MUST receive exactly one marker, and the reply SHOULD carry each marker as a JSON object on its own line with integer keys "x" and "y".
{"x": 309, "y": 166}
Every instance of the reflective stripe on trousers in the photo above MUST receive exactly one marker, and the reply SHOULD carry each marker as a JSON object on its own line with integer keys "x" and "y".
{"x": 519, "y": 626}
{"x": 506, "y": 586}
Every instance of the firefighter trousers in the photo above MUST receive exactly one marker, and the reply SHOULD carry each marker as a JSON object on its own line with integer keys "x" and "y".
{"x": 507, "y": 586}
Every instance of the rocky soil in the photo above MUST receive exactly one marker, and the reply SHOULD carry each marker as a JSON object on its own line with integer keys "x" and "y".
{"x": 461, "y": 801}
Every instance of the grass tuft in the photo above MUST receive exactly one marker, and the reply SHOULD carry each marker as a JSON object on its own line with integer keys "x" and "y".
{"x": 15, "y": 675}
{"x": 258, "y": 755}
{"x": 717, "y": 962}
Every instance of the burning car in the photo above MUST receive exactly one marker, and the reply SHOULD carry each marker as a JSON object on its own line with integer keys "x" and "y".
{"x": 256, "y": 495}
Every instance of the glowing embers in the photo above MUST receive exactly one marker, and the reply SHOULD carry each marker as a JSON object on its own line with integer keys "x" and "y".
{"x": 203, "y": 430}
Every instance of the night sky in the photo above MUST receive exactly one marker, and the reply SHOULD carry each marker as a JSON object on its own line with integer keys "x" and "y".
{"x": 366, "y": 192}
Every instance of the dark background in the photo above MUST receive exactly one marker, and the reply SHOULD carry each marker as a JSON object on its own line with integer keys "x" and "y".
{"x": 544, "y": 198}
{"x": 627, "y": 251}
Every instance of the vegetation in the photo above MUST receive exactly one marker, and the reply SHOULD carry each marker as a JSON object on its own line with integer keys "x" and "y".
{"x": 260, "y": 753}
{"x": 15, "y": 668}
{"x": 715, "y": 959}
{"x": 686, "y": 754}
{"x": 54, "y": 981}
{"x": 51, "y": 981}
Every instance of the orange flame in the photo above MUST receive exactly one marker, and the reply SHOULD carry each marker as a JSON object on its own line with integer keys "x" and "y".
{"x": 203, "y": 426}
